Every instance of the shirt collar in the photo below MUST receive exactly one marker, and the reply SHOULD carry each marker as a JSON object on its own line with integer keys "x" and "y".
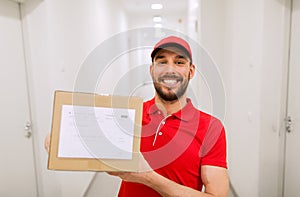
{"x": 185, "y": 114}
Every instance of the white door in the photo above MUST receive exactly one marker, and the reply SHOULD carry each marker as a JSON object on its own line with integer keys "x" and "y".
{"x": 17, "y": 171}
{"x": 292, "y": 168}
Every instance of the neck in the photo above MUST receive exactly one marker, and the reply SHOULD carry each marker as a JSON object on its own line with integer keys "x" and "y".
{"x": 170, "y": 107}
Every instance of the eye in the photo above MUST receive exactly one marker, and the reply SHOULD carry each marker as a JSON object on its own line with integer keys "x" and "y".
{"x": 161, "y": 63}
{"x": 180, "y": 62}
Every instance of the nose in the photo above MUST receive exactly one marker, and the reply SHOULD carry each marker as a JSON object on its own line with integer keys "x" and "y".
{"x": 170, "y": 67}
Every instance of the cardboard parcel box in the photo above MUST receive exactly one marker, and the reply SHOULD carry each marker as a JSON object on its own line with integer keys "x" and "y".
{"x": 95, "y": 133}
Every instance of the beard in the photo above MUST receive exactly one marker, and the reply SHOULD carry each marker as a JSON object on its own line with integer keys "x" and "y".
{"x": 170, "y": 94}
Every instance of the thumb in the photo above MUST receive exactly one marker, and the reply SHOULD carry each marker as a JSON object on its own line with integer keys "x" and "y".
{"x": 143, "y": 164}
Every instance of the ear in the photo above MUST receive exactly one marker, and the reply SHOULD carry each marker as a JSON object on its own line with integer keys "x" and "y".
{"x": 151, "y": 69}
{"x": 192, "y": 71}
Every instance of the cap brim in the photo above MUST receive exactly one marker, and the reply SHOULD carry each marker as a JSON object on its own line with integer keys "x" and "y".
{"x": 170, "y": 45}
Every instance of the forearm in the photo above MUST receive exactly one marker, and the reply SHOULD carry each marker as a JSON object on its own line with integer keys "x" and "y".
{"x": 168, "y": 188}
{"x": 215, "y": 180}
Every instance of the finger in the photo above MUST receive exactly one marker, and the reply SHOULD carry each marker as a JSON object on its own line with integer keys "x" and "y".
{"x": 143, "y": 164}
{"x": 47, "y": 143}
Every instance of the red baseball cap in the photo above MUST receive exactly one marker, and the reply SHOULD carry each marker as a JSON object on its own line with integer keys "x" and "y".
{"x": 172, "y": 41}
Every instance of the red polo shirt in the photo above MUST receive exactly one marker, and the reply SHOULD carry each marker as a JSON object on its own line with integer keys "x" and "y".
{"x": 176, "y": 146}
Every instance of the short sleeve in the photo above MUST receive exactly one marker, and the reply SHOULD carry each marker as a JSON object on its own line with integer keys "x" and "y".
{"x": 213, "y": 148}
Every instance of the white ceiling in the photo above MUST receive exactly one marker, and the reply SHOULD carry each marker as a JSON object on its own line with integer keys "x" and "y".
{"x": 144, "y": 6}
{"x": 173, "y": 12}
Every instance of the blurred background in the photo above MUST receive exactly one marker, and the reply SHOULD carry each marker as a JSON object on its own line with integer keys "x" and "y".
{"x": 253, "y": 45}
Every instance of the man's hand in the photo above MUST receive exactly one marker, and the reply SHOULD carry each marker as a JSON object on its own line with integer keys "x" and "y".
{"x": 137, "y": 177}
{"x": 47, "y": 143}
{"x": 215, "y": 180}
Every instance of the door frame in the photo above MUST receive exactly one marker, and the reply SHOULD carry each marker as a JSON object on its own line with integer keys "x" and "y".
{"x": 34, "y": 137}
{"x": 285, "y": 101}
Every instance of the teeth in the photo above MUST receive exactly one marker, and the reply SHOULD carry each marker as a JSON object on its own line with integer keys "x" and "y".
{"x": 169, "y": 81}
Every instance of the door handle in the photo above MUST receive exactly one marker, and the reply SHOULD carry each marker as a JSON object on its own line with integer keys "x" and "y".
{"x": 288, "y": 124}
{"x": 27, "y": 129}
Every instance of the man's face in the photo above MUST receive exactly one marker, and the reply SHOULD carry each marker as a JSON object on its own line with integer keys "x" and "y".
{"x": 171, "y": 72}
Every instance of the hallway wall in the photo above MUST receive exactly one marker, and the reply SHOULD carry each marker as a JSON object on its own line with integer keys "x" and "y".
{"x": 59, "y": 35}
{"x": 248, "y": 40}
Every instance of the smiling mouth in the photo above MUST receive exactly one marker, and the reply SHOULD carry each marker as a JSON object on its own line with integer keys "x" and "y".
{"x": 170, "y": 82}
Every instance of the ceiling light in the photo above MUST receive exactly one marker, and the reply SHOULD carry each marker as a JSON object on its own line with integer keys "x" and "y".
{"x": 156, "y": 6}
{"x": 157, "y": 19}
{"x": 158, "y": 25}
